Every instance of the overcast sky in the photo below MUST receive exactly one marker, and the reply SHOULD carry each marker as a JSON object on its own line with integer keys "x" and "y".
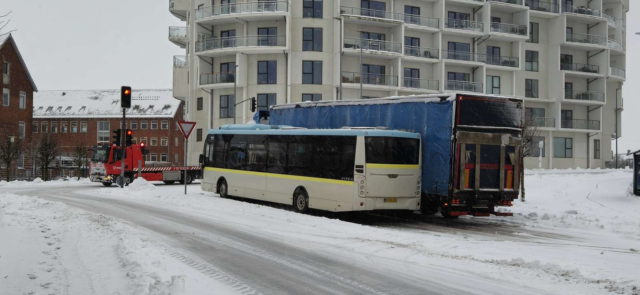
{"x": 82, "y": 44}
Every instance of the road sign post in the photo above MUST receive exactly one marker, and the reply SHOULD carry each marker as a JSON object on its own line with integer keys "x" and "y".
{"x": 186, "y": 128}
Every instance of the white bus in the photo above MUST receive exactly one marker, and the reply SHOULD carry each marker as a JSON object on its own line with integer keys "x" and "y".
{"x": 325, "y": 169}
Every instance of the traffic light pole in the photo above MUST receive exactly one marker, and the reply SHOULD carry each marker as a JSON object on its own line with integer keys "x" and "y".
{"x": 123, "y": 140}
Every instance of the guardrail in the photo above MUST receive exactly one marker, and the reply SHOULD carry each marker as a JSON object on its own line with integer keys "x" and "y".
{"x": 544, "y": 122}
{"x": 370, "y": 13}
{"x": 581, "y": 10}
{"x": 373, "y": 44}
{"x": 504, "y": 61}
{"x": 615, "y": 44}
{"x": 244, "y": 41}
{"x": 580, "y": 68}
{"x": 544, "y": 6}
{"x": 463, "y": 86}
{"x": 586, "y": 38}
{"x": 464, "y": 56}
{"x": 517, "y": 2}
{"x": 421, "y": 52}
{"x": 421, "y": 83}
{"x": 418, "y": 20}
{"x": 466, "y": 25}
{"x": 179, "y": 61}
{"x": 242, "y": 8}
{"x": 583, "y": 95}
{"x": 610, "y": 19}
{"x": 520, "y": 30}
{"x": 370, "y": 79}
{"x": 613, "y": 71}
{"x": 217, "y": 78}
{"x": 177, "y": 32}
{"x": 580, "y": 124}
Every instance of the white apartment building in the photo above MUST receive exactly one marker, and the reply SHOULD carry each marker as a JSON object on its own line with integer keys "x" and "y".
{"x": 565, "y": 59}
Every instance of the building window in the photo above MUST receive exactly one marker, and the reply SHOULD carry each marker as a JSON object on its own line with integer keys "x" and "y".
{"x": 265, "y": 101}
{"x": 175, "y": 141}
{"x": 596, "y": 148}
{"x": 227, "y": 106}
{"x": 143, "y": 140}
{"x": 154, "y": 157}
{"x": 311, "y": 97}
{"x": 20, "y": 129}
{"x": 23, "y": 100}
{"x": 267, "y": 37}
{"x": 267, "y": 72}
{"x": 104, "y": 131}
{"x": 74, "y": 127}
{"x": 164, "y": 125}
{"x": 21, "y": 162}
{"x": 54, "y": 127}
{"x": 562, "y": 147}
{"x": 312, "y": 9}
{"x": 154, "y": 125}
{"x": 63, "y": 127}
{"x": 5, "y": 97}
{"x": 134, "y": 125}
{"x": 199, "y": 134}
{"x": 493, "y": 85}
{"x": 566, "y": 117}
{"x": 34, "y": 127}
{"x": 83, "y": 127}
{"x": 531, "y": 88}
{"x": 154, "y": 141}
{"x": 312, "y": 72}
{"x": 45, "y": 127}
{"x": 6, "y": 71}
{"x": 535, "y": 148}
{"x": 312, "y": 39}
{"x": 164, "y": 141}
{"x": 531, "y": 61}
{"x": 143, "y": 125}
{"x": 199, "y": 104}
{"x": 164, "y": 158}
{"x": 534, "y": 36}
{"x": 175, "y": 158}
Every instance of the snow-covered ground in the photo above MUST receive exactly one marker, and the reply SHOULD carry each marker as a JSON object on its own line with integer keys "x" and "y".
{"x": 577, "y": 233}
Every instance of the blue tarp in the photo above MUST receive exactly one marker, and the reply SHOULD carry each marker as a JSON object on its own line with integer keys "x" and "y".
{"x": 432, "y": 120}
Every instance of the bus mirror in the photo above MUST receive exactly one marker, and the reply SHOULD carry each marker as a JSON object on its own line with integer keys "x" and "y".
{"x": 201, "y": 159}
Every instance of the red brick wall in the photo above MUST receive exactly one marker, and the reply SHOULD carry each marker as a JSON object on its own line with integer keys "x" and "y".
{"x": 11, "y": 116}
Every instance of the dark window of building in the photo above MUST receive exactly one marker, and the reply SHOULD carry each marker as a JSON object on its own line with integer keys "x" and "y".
{"x": 534, "y": 35}
{"x": 227, "y": 106}
{"x": 199, "y": 134}
{"x": 200, "y": 104}
{"x": 531, "y": 61}
{"x": 312, "y": 39}
{"x": 267, "y": 72}
{"x": 311, "y": 97}
{"x": 596, "y": 149}
{"x": 312, "y": 72}
{"x": 531, "y": 88}
{"x": 493, "y": 85}
{"x": 265, "y": 101}
{"x": 562, "y": 147}
{"x": 312, "y": 9}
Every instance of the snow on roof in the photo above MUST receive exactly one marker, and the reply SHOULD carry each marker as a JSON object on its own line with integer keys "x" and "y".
{"x": 103, "y": 104}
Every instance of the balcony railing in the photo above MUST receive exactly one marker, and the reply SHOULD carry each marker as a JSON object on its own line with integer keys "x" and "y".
{"x": 421, "y": 52}
{"x": 613, "y": 44}
{"x": 581, "y": 10}
{"x": 373, "y": 44}
{"x": 177, "y": 32}
{"x": 464, "y": 56}
{"x": 610, "y": 19}
{"x": 580, "y": 124}
{"x": 520, "y": 30}
{"x": 243, "y": 8}
{"x": 504, "y": 61}
{"x": 580, "y": 68}
{"x": 517, "y": 2}
{"x": 418, "y": 20}
{"x": 246, "y": 41}
{"x": 586, "y": 38}
{"x": 370, "y": 79}
{"x": 179, "y": 61}
{"x": 463, "y": 86}
{"x": 421, "y": 83}
{"x": 217, "y": 78}
{"x": 544, "y": 6}
{"x": 466, "y": 25}
{"x": 371, "y": 13}
{"x": 583, "y": 95}
{"x": 613, "y": 71}
{"x": 544, "y": 122}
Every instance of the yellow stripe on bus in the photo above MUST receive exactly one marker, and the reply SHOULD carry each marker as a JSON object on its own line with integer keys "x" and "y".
{"x": 274, "y": 175}
{"x": 392, "y": 166}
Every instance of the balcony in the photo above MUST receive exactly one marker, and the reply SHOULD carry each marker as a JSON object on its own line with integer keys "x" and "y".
{"x": 464, "y": 25}
{"x": 580, "y": 124}
{"x": 463, "y": 86}
{"x": 584, "y": 95}
{"x": 224, "y": 45}
{"x": 373, "y": 45}
{"x": 610, "y": 19}
{"x": 503, "y": 61}
{"x": 370, "y": 79}
{"x": 371, "y": 13}
{"x": 581, "y": 10}
{"x": 617, "y": 72}
{"x": 613, "y": 44}
{"x": 217, "y": 78}
{"x": 543, "y": 6}
{"x": 463, "y": 56}
{"x": 543, "y": 122}
{"x": 423, "y": 84}
{"x": 417, "y": 20}
{"x": 255, "y": 11}
{"x": 180, "y": 77}
{"x": 517, "y": 30}
{"x": 423, "y": 52}
{"x": 593, "y": 69}
{"x": 515, "y": 2}
{"x": 179, "y": 8}
{"x": 586, "y": 39}
{"x": 180, "y": 61}
{"x": 178, "y": 36}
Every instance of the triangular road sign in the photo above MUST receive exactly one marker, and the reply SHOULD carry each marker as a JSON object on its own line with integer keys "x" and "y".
{"x": 186, "y": 128}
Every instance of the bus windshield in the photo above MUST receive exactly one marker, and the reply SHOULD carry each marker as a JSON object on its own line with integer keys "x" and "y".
{"x": 100, "y": 154}
{"x": 393, "y": 150}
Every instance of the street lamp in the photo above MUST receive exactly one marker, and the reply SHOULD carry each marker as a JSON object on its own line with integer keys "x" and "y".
{"x": 235, "y": 90}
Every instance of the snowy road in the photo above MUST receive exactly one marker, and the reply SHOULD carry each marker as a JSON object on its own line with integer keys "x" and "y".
{"x": 201, "y": 244}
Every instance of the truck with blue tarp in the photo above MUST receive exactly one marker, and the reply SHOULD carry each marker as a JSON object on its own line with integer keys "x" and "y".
{"x": 471, "y": 143}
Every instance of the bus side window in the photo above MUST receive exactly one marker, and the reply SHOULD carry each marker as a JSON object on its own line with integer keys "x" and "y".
{"x": 205, "y": 153}
{"x": 237, "y": 152}
{"x": 348, "y": 156}
{"x": 276, "y": 155}
{"x": 220, "y": 151}
{"x": 256, "y": 153}
{"x": 299, "y": 158}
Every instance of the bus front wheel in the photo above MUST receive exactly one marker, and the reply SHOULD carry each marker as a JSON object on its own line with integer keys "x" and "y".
{"x": 301, "y": 201}
{"x": 223, "y": 189}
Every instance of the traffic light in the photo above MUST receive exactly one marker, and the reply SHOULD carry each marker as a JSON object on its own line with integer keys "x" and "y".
{"x": 117, "y": 137}
{"x": 143, "y": 149}
{"x": 125, "y": 97}
{"x": 128, "y": 138}
{"x": 253, "y": 104}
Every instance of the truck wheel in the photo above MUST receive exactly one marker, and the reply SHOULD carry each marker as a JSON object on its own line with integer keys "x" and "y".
{"x": 223, "y": 189}
{"x": 169, "y": 182}
{"x": 300, "y": 201}
{"x": 189, "y": 179}
{"x": 446, "y": 213}
{"x": 107, "y": 184}
{"x": 129, "y": 179}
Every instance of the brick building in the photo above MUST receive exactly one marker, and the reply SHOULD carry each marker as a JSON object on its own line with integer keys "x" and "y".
{"x": 17, "y": 104}
{"x": 89, "y": 117}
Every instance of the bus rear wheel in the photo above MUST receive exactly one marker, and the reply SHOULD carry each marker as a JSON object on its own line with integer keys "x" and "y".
{"x": 301, "y": 201}
{"x": 223, "y": 189}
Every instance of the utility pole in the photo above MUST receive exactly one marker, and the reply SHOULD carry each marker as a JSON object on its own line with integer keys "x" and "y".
{"x": 616, "y": 125}
{"x": 125, "y": 103}
{"x": 341, "y": 52}
{"x": 361, "y": 72}
{"x": 235, "y": 91}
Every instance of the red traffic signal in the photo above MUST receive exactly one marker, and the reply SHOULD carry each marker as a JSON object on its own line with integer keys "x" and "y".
{"x": 125, "y": 96}
{"x": 129, "y": 132}
{"x": 142, "y": 144}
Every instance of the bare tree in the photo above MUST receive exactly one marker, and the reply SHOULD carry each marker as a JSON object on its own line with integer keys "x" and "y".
{"x": 80, "y": 157}
{"x": 530, "y": 124}
{"x": 4, "y": 21}
{"x": 10, "y": 151}
{"x": 48, "y": 150}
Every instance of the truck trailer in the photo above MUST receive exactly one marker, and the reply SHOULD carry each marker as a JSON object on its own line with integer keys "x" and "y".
{"x": 472, "y": 143}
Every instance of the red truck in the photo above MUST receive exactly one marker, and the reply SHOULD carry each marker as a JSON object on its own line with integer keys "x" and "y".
{"x": 106, "y": 165}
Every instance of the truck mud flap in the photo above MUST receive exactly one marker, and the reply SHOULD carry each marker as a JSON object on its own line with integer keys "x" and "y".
{"x": 502, "y": 214}
{"x": 481, "y": 214}
{"x": 459, "y": 213}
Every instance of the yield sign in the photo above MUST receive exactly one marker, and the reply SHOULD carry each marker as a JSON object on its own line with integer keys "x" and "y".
{"x": 186, "y": 128}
